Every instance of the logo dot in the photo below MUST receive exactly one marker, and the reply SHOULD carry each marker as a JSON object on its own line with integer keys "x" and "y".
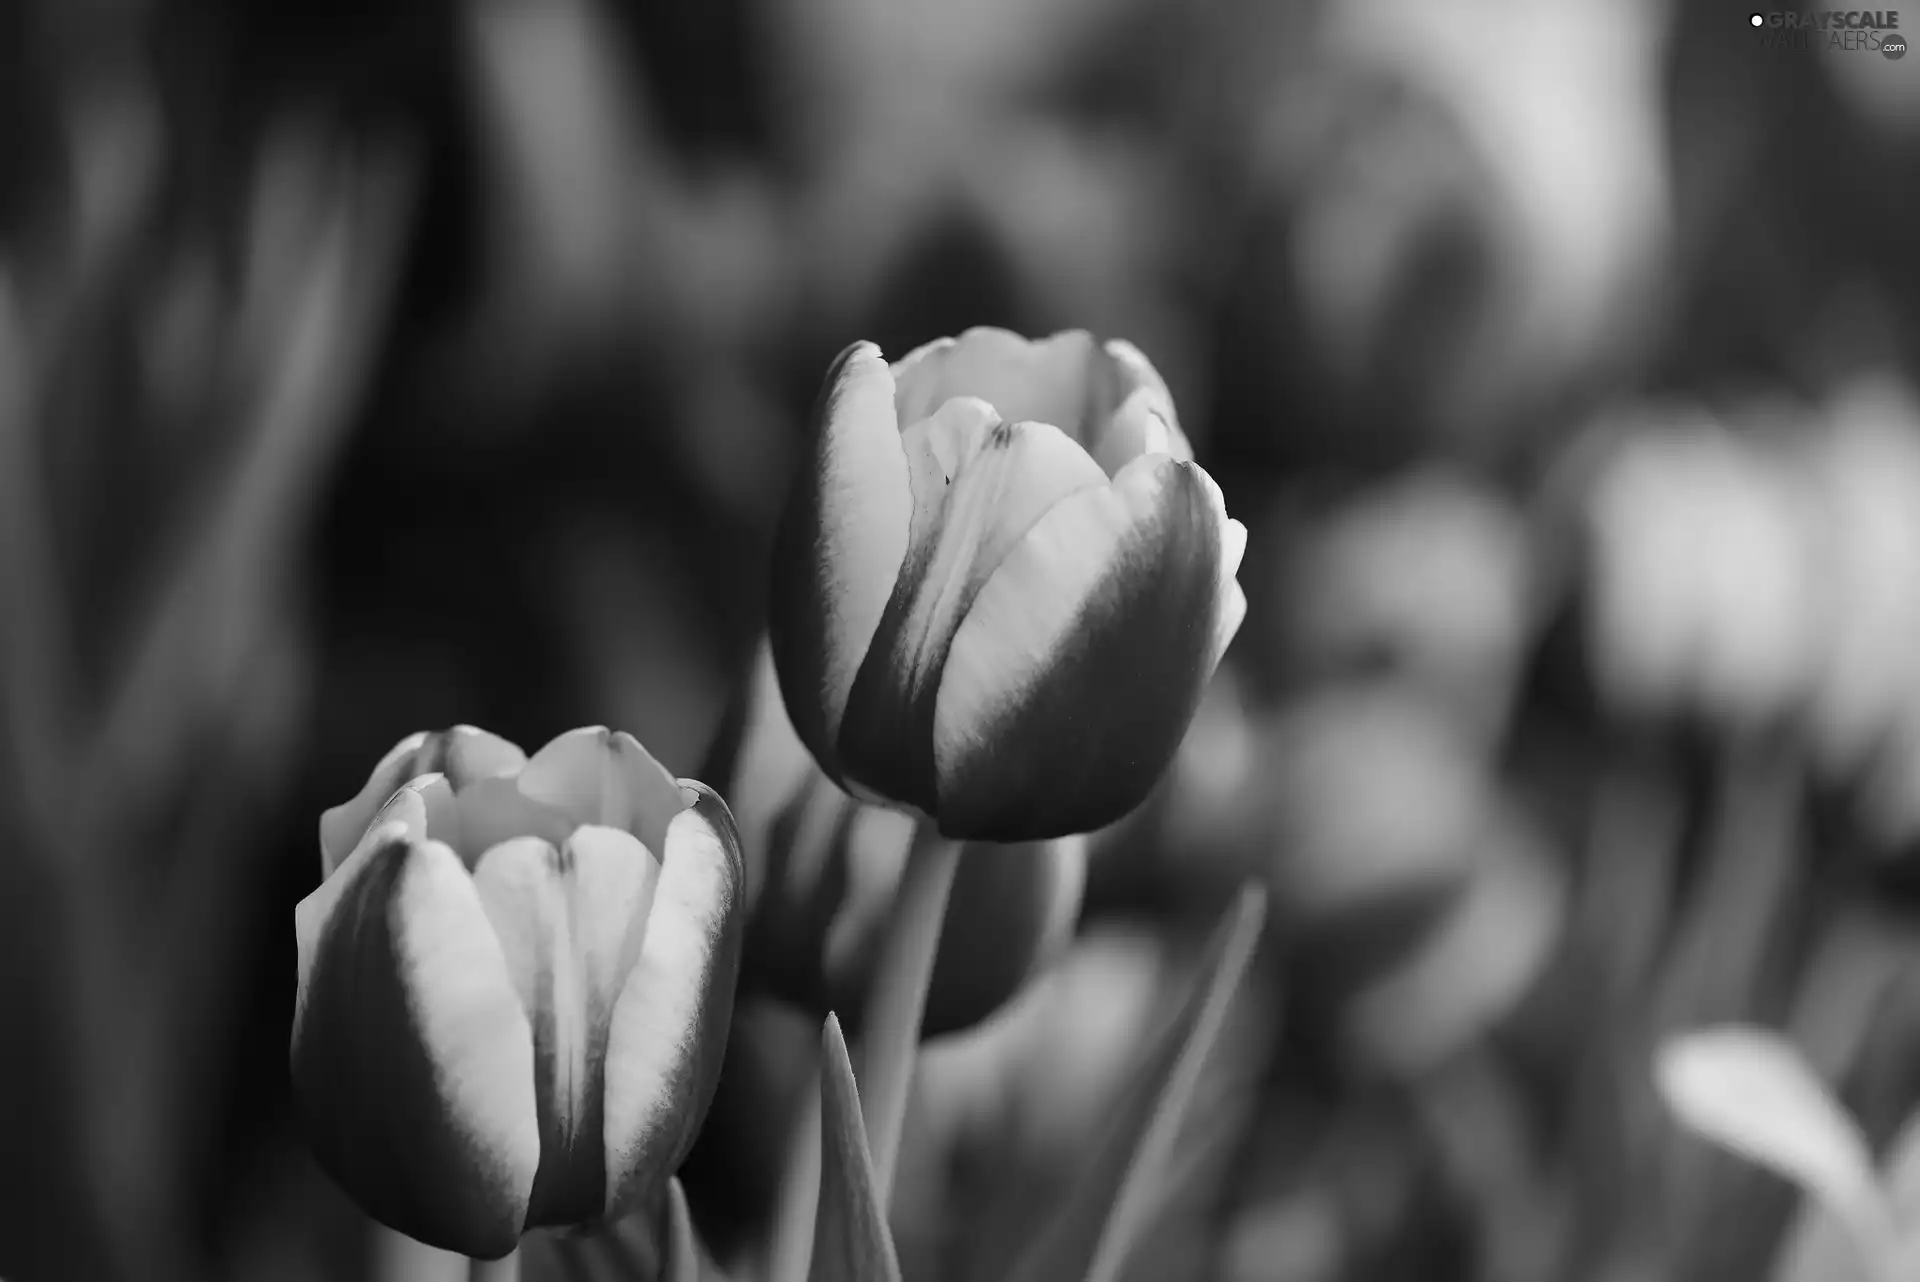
{"x": 1758, "y": 20}
{"x": 1895, "y": 47}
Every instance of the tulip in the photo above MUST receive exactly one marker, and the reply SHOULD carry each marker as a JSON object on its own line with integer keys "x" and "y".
{"x": 1001, "y": 583}
{"x": 515, "y": 982}
{"x": 822, "y": 875}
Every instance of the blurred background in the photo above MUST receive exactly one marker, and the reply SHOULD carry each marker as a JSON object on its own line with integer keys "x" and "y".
{"x": 369, "y": 368}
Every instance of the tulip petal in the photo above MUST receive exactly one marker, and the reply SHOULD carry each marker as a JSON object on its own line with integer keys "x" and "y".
{"x": 669, "y": 1029}
{"x": 412, "y": 1058}
{"x": 462, "y": 753}
{"x": 602, "y": 776}
{"x": 839, "y": 547}
{"x": 979, "y": 485}
{"x": 1145, "y": 422}
{"x": 1233, "y": 601}
{"x": 1049, "y": 380}
{"x": 571, "y": 923}
{"x": 1071, "y": 681}
{"x": 496, "y": 810}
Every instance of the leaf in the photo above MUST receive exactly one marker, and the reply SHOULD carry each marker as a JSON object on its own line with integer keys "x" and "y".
{"x": 685, "y": 1260}
{"x": 851, "y": 1242}
{"x": 1750, "y": 1091}
{"x": 1092, "y": 1233}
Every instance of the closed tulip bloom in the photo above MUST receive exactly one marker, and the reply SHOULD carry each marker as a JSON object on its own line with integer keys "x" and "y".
{"x": 515, "y": 983}
{"x": 1001, "y": 583}
{"x": 822, "y": 875}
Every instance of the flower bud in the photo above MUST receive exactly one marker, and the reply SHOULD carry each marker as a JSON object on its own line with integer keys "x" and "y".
{"x": 515, "y": 983}
{"x": 823, "y": 870}
{"x": 1001, "y": 583}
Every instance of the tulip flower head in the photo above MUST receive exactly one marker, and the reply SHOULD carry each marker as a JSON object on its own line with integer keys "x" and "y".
{"x": 515, "y": 983}
{"x": 1001, "y": 583}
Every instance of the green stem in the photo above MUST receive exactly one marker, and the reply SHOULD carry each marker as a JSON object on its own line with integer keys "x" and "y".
{"x": 790, "y": 1251}
{"x": 399, "y": 1258}
{"x": 897, "y": 1000}
{"x": 504, "y": 1270}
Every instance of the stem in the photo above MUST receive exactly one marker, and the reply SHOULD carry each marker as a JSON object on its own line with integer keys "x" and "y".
{"x": 790, "y": 1250}
{"x": 399, "y": 1258}
{"x": 503, "y": 1270}
{"x": 897, "y": 1000}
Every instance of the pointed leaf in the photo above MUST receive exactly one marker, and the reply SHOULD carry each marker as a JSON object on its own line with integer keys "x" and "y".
{"x": 685, "y": 1260}
{"x": 1104, "y": 1213}
{"x": 851, "y": 1242}
{"x": 1750, "y": 1091}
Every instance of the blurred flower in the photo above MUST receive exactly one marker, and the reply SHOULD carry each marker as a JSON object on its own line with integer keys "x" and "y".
{"x": 1379, "y": 795}
{"x": 822, "y": 871}
{"x": 1866, "y": 470}
{"x": 1001, "y": 583}
{"x": 1391, "y": 816}
{"x": 1703, "y": 576}
{"x": 514, "y": 984}
{"x": 1556, "y": 203}
{"x": 1430, "y": 576}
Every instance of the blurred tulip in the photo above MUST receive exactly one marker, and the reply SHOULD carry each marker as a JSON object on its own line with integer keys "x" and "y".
{"x": 515, "y": 983}
{"x": 1379, "y": 794}
{"x": 1430, "y": 574}
{"x": 1554, "y": 204}
{"x": 1001, "y": 583}
{"x": 1866, "y": 466}
{"x": 1703, "y": 576}
{"x": 822, "y": 875}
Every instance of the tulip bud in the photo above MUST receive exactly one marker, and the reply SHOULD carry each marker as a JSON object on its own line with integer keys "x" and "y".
{"x": 823, "y": 870}
{"x": 515, "y": 983}
{"x": 1702, "y": 575}
{"x": 1001, "y": 583}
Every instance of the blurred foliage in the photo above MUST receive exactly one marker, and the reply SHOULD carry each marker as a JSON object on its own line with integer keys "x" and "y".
{"x": 376, "y": 368}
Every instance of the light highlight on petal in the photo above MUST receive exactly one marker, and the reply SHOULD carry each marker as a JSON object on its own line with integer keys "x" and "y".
{"x": 412, "y": 1060}
{"x": 462, "y": 753}
{"x": 669, "y": 1025}
{"x": 571, "y": 922}
{"x": 840, "y": 546}
{"x": 979, "y": 485}
{"x": 602, "y": 776}
{"x": 1071, "y": 680}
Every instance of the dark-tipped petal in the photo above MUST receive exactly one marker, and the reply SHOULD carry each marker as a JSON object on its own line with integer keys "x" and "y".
{"x": 979, "y": 484}
{"x": 1071, "y": 681}
{"x": 412, "y": 1059}
{"x": 839, "y": 547}
{"x": 669, "y": 1029}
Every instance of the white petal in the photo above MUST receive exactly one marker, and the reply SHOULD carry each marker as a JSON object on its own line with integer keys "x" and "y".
{"x": 571, "y": 924}
{"x": 841, "y": 542}
{"x": 412, "y": 1058}
{"x": 493, "y": 811}
{"x": 463, "y": 753}
{"x": 1042, "y": 381}
{"x": 670, "y": 1023}
{"x": 601, "y": 776}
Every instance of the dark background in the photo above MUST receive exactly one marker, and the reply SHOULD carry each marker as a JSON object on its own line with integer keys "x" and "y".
{"x": 369, "y": 368}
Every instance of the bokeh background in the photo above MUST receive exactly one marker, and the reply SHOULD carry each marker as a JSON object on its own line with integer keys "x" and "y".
{"x": 367, "y": 368}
